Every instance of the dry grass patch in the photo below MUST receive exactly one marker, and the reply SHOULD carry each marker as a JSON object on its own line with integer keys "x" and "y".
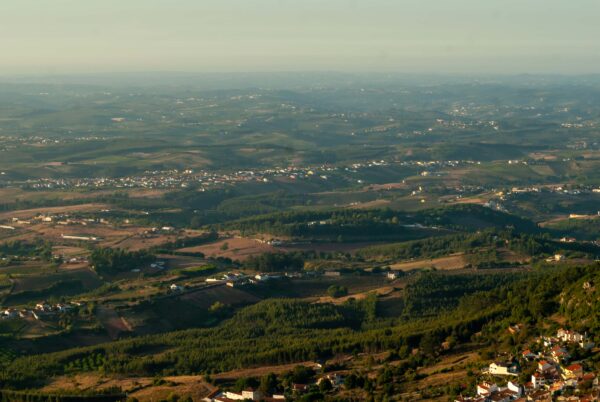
{"x": 29, "y": 213}
{"x": 451, "y": 262}
{"x": 236, "y": 248}
{"x": 261, "y": 371}
{"x": 142, "y": 388}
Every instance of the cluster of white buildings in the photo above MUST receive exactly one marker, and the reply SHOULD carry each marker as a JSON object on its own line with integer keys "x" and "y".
{"x": 41, "y": 309}
{"x": 491, "y": 392}
{"x": 174, "y": 178}
{"x": 57, "y": 219}
{"x": 169, "y": 179}
{"x": 245, "y": 395}
{"x": 240, "y": 279}
{"x": 235, "y": 280}
{"x": 572, "y": 190}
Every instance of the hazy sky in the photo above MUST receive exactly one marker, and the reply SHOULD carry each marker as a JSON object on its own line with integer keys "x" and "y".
{"x": 440, "y": 36}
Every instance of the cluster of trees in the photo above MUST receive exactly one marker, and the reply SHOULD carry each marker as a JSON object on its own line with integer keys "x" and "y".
{"x": 110, "y": 261}
{"x": 21, "y": 248}
{"x": 470, "y": 217}
{"x": 196, "y": 271}
{"x": 220, "y": 205}
{"x": 258, "y": 204}
{"x": 66, "y": 287}
{"x": 275, "y": 262}
{"x": 530, "y": 244}
{"x": 379, "y": 224}
{"x": 337, "y": 291}
{"x": 433, "y": 292}
{"x": 270, "y": 383}
{"x": 535, "y": 245}
{"x": 431, "y": 247}
{"x": 486, "y": 258}
{"x": 338, "y": 225}
{"x": 588, "y": 229}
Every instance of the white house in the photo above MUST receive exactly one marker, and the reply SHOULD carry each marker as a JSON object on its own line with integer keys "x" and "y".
{"x": 498, "y": 368}
{"x": 486, "y": 388}
{"x": 543, "y": 365}
{"x": 515, "y": 387}
{"x": 251, "y": 394}
{"x": 538, "y": 380}
{"x": 569, "y": 336}
{"x": 501, "y": 368}
{"x": 392, "y": 275}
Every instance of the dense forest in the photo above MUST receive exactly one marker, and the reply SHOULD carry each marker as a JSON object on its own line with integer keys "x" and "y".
{"x": 110, "y": 261}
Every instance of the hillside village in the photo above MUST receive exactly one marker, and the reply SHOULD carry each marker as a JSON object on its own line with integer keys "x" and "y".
{"x": 559, "y": 375}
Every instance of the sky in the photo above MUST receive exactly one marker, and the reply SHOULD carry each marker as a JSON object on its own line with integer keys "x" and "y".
{"x": 403, "y": 36}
